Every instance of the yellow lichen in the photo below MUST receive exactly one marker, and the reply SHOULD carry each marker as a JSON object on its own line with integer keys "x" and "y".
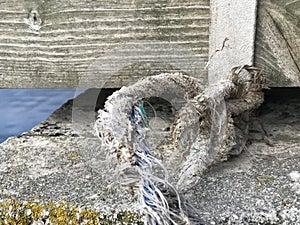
{"x": 13, "y": 212}
{"x": 59, "y": 215}
{"x": 73, "y": 216}
{"x": 73, "y": 155}
{"x": 264, "y": 181}
{"x": 90, "y": 216}
{"x": 36, "y": 211}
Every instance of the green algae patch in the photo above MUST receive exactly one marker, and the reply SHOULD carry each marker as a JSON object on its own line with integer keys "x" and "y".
{"x": 13, "y": 212}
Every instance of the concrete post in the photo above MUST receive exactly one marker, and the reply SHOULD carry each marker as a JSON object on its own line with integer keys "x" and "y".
{"x": 232, "y": 35}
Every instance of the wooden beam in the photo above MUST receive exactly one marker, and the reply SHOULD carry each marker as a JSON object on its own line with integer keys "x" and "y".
{"x": 278, "y": 41}
{"x": 232, "y": 36}
{"x": 51, "y": 44}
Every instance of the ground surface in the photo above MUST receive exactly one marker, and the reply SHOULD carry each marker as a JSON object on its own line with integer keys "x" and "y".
{"x": 55, "y": 162}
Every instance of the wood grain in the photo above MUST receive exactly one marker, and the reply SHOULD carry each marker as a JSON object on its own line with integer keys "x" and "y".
{"x": 94, "y": 43}
{"x": 278, "y": 41}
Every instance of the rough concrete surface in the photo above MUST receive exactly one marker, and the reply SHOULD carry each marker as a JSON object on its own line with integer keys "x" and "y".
{"x": 261, "y": 186}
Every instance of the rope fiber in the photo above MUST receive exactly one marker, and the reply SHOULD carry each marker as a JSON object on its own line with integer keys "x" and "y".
{"x": 210, "y": 125}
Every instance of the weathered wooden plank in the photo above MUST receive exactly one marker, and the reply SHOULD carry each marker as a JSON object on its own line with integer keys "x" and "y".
{"x": 232, "y": 36}
{"x": 60, "y": 43}
{"x": 278, "y": 41}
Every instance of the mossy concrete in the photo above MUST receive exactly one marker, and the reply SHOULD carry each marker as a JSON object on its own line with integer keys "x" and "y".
{"x": 55, "y": 163}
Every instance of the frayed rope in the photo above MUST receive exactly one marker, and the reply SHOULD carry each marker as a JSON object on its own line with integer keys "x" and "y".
{"x": 205, "y": 127}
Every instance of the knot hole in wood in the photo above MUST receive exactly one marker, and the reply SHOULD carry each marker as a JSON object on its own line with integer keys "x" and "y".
{"x": 34, "y": 20}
